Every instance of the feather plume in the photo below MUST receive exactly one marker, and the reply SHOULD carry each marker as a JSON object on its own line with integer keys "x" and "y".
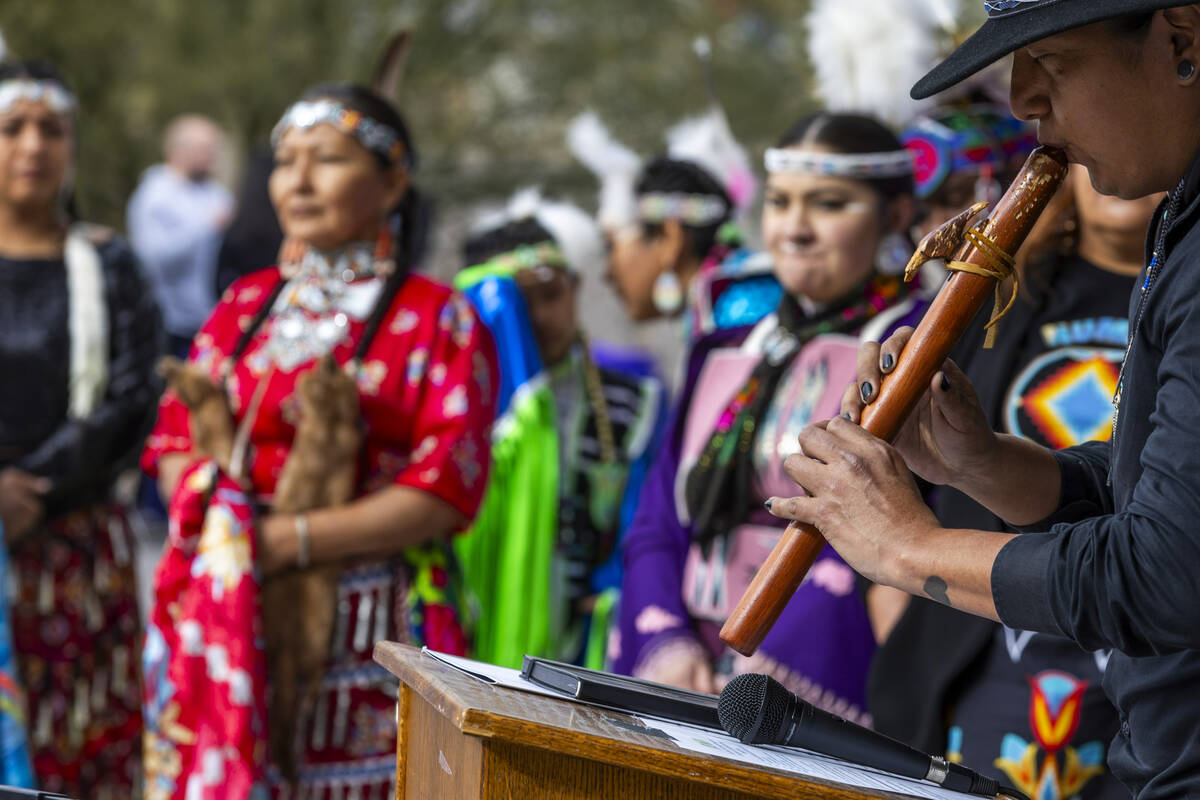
{"x": 577, "y": 234}
{"x": 523, "y": 204}
{"x": 389, "y": 71}
{"x": 707, "y": 140}
{"x": 867, "y": 54}
{"x": 612, "y": 162}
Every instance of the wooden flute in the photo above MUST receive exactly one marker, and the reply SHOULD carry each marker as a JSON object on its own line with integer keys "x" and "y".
{"x": 978, "y": 258}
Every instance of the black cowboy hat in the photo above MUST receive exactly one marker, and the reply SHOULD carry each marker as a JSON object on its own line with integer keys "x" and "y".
{"x": 1012, "y": 24}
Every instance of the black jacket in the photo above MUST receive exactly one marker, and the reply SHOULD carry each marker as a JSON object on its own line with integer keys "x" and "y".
{"x": 82, "y": 457}
{"x": 1119, "y": 564}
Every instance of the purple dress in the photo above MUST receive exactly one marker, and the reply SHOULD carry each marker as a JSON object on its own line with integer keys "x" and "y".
{"x": 674, "y": 599}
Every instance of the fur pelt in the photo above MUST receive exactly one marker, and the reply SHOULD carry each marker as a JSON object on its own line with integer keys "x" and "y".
{"x": 612, "y": 162}
{"x": 299, "y": 606}
{"x": 209, "y": 417}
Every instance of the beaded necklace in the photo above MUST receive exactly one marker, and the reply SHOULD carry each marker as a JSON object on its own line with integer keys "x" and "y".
{"x": 1157, "y": 256}
{"x": 324, "y": 291}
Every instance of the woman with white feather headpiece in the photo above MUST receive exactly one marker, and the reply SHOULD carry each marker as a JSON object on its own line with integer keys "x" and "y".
{"x": 564, "y": 565}
{"x": 671, "y": 222}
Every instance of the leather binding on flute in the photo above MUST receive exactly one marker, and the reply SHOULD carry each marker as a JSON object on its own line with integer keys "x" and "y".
{"x": 979, "y": 258}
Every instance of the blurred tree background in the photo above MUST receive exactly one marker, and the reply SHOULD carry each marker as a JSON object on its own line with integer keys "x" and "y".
{"x": 489, "y": 87}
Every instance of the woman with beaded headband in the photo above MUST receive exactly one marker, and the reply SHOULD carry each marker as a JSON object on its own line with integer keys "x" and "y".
{"x": 670, "y": 223}
{"x": 964, "y": 153}
{"x": 560, "y": 573}
{"x": 837, "y": 185}
{"x": 80, "y": 335}
{"x": 421, "y": 372}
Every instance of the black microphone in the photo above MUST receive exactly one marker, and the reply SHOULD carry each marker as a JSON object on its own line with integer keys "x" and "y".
{"x": 757, "y": 709}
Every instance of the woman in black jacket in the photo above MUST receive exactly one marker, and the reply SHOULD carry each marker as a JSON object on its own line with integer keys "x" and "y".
{"x": 78, "y": 337}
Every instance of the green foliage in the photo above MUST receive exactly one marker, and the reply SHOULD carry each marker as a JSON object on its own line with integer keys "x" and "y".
{"x": 489, "y": 88}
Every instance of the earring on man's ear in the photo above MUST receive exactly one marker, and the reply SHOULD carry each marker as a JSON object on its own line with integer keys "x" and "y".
{"x": 1186, "y": 70}
{"x": 667, "y": 294}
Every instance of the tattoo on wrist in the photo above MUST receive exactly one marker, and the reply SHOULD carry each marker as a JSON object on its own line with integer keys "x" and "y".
{"x": 935, "y": 589}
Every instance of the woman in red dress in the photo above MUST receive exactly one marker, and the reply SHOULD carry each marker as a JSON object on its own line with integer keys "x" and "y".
{"x": 426, "y": 376}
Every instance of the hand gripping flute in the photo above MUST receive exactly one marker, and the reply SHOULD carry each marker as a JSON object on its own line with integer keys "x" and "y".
{"x": 979, "y": 257}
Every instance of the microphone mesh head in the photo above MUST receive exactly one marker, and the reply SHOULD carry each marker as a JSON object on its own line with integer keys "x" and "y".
{"x": 776, "y": 706}
{"x": 753, "y": 704}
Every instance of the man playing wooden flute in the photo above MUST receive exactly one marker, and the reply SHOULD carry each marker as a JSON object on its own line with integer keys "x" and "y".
{"x": 1112, "y": 559}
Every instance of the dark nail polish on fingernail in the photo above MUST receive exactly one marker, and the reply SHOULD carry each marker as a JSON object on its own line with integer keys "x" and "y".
{"x": 945, "y": 383}
{"x": 767, "y": 504}
{"x": 888, "y": 361}
{"x": 847, "y": 416}
{"x": 866, "y": 390}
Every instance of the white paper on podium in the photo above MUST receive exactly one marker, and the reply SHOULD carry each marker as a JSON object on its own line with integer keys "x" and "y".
{"x": 714, "y": 743}
{"x": 490, "y": 673}
{"x": 796, "y": 761}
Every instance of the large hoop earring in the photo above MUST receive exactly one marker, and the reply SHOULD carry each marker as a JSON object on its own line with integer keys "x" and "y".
{"x": 893, "y": 254}
{"x": 667, "y": 294}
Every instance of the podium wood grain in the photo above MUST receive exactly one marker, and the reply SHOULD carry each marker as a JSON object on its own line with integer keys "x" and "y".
{"x": 462, "y": 739}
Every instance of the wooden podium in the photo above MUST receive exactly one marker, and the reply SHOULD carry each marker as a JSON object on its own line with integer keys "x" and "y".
{"x": 461, "y": 739}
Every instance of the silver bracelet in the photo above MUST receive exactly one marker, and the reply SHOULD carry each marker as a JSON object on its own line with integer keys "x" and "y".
{"x": 303, "y": 542}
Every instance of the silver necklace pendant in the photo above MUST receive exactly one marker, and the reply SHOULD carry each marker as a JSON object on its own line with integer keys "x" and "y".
{"x": 348, "y": 264}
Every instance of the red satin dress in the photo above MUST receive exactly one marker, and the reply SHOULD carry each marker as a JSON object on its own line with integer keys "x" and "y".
{"x": 427, "y": 388}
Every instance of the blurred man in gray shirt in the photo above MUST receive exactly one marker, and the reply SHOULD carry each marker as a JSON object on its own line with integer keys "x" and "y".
{"x": 176, "y": 219}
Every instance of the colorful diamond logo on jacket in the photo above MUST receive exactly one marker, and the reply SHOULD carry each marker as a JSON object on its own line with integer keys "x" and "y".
{"x": 1064, "y": 397}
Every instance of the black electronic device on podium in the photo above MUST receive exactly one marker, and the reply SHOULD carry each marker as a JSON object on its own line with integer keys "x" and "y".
{"x": 758, "y": 710}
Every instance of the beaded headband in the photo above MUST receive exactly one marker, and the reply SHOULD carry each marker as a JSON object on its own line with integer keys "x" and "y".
{"x": 371, "y": 133}
{"x": 56, "y": 98}
{"x": 952, "y": 140}
{"x": 526, "y": 256}
{"x": 892, "y": 164}
{"x": 691, "y": 209}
